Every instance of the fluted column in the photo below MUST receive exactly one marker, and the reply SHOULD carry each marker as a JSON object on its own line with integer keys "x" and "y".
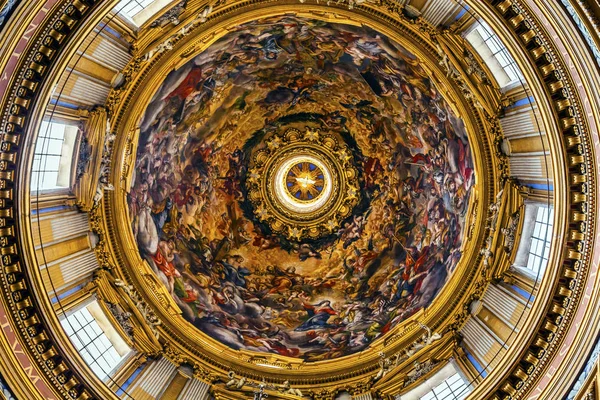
{"x": 64, "y": 250}
{"x": 482, "y": 344}
{"x": 153, "y": 381}
{"x": 507, "y": 309}
{"x": 438, "y": 11}
{"x": 527, "y": 146}
{"x": 496, "y": 319}
{"x": 195, "y": 389}
{"x": 363, "y": 396}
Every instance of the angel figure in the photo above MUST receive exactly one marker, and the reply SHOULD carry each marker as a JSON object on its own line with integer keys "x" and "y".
{"x": 385, "y": 366}
{"x": 494, "y": 208}
{"x": 203, "y": 16}
{"x": 235, "y": 383}
{"x": 287, "y": 389}
{"x": 429, "y": 337}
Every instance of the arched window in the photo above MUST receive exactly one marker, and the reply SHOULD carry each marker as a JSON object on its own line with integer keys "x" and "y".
{"x": 494, "y": 54}
{"x": 447, "y": 384}
{"x": 140, "y": 11}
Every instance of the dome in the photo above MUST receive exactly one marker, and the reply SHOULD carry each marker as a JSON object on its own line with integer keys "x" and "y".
{"x": 301, "y": 187}
{"x": 353, "y": 199}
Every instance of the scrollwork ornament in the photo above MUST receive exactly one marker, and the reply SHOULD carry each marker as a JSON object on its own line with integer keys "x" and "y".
{"x": 420, "y": 369}
{"x": 171, "y": 16}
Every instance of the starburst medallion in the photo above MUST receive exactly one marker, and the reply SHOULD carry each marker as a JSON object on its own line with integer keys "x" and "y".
{"x": 305, "y": 181}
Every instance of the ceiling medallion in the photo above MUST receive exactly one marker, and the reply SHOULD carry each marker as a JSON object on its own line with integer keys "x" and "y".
{"x": 302, "y": 184}
{"x": 305, "y": 180}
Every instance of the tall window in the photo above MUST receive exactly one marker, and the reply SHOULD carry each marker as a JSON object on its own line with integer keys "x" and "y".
{"x": 53, "y": 157}
{"x": 541, "y": 239}
{"x": 100, "y": 346}
{"x": 453, "y": 388}
{"x": 131, "y": 8}
{"x": 494, "y": 54}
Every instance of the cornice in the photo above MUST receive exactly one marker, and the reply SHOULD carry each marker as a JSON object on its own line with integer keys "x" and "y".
{"x": 39, "y": 51}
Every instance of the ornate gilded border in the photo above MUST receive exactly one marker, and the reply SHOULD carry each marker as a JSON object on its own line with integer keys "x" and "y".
{"x": 16, "y": 284}
{"x": 566, "y": 109}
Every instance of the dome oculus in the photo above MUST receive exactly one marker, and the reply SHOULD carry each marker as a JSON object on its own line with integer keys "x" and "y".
{"x": 301, "y": 185}
{"x": 305, "y": 180}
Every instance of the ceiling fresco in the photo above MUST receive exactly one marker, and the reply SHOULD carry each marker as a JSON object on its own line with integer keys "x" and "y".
{"x": 301, "y": 188}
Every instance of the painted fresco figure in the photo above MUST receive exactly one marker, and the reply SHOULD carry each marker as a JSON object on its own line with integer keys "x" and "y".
{"x": 318, "y": 315}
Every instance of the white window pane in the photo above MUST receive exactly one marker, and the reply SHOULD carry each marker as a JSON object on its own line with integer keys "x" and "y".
{"x": 104, "y": 342}
{"x": 49, "y": 163}
{"x": 81, "y": 318}
{"x": 442, "y": 393}
{"x": 532, "y": 263}
{"x": 49, "y": 180}
{"x": 549, "y": 234}
{"x": 90, "y": 332}
{"x": 87, "y": 357}
{"x": 541, "y": 214}
{"x": 34, "y": 180}
{"x": 67, "y": 327}
{"x": 502, "y": 59}
{"x": 454, "y": 382}
{"x": 93, "y": 350}
{"x": 101, "y": 344}
{"x": 57, "y": 131}
{"x": 96, "y": 328}
{"x": 77, "y": 342}
{"x": 94, "y": 346}
{"x": 85, "y": 313}
{"x": 535, "y": 246}
{"x": 493, "y": 45}
{"x": 537, "y": 229}
{"x": 74, "y": 322}
{"x": 36, "y": 162}
{"x": 106, "y": 367}
{"x": 85, "y": 337}
{"x": 452, "y": 388}
{"x": 53, "y": 152}
{"x": 54, "y": 147}
{"x": 112, "y": 355}
{"x": 547, "y": 251}
{"x": 97, "y": 369}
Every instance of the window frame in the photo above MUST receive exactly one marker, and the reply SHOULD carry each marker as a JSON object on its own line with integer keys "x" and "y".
{"x": 81, "y": 313}
{"x": 522, "y": 262}
{"x": 70, "y": 134}
{"x": 498, "y": 51}
{"x": 429, "y": 387}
